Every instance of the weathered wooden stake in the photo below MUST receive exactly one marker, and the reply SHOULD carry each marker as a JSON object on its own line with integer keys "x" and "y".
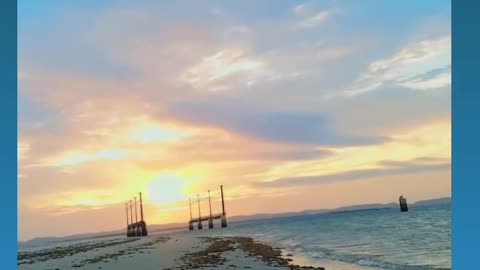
{"x": 403, "y": 204}
{"x": 224, "y": 215}
{"x": 141, "y": 206}
{"x": 131, "y": 213}
{"x": 190, "y": 223}
{"x": 136, "y": 217}
{"x": 199, "y": 214}
{"x": 210, "y": 220}
{"x": 126, "y": 208}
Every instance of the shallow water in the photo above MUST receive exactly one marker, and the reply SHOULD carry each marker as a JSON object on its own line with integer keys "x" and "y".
{"x": 416, "y": 240}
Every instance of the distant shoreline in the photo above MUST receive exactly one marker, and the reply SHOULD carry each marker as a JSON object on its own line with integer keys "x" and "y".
{"x": 235, "y": 219}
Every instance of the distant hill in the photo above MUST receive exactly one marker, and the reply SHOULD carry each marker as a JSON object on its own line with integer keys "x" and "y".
{"x": 314, "y": 212}
{"x": 364, "y": 207}
{"x": 178, "y": 226}
{"x": 446, "y": 200}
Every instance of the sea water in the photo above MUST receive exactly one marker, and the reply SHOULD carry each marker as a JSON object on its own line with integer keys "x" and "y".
{"x": 419, "y": 239}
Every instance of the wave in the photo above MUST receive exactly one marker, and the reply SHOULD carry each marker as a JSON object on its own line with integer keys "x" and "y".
{"x": 361, "y": 260}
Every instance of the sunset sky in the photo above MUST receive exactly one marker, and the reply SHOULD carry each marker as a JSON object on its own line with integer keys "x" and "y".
{"x": 290, "y": 105}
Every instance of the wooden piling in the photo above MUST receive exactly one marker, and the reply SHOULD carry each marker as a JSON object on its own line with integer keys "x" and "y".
{"x": 141, "y": 206}
{"x": 210, "y": 220}
{"x": 224, "y": 215}
{"x": 190, "y": 223}
{"x": 199, "y": 214}
{"x": 403, "y": 204}
{"x": 126, "y": 208}
{"x": 136, "y": 217}
{"x": 131, "y": 212}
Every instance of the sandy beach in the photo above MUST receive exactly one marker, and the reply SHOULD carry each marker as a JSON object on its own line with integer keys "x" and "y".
{"x": 162, "y": 251}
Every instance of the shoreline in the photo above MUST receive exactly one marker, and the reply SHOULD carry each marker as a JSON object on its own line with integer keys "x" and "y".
{"x": 212, "y": 255}
{"x": 161, "y": 251}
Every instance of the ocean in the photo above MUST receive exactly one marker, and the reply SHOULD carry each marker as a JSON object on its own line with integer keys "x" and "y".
{"x": 419, "y": 239}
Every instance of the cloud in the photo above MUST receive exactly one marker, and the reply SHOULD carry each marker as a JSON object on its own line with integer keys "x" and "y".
{"x": 222, "y": 147}
{"x": 417, "y": 58}
{"x": 302, "y": 9}
{"x": 77, "y": 157}
{"x": 294, "y": 127}
{"x": 314, "y": 20}
{"x": 434, "y": 79}
{"x": 225, "y": 69}
{"x": 386, "y": 168}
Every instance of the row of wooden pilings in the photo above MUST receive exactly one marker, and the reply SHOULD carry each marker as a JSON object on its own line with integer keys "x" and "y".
{"x": 139, "y": 227}
{"x": 222, "y": 216}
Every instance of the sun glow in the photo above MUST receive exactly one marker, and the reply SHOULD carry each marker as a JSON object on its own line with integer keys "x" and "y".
{"x": 73, "y": 158}
{"x": 150, "y": 132}
{"x": 167, "y": 188}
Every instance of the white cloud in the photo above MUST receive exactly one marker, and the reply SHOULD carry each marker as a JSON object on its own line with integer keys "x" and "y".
{"x": 225, "y": 69}
{"x": 416, "y": 53}
{"x": 314, "y": 20}
{"x": 76, "y": 157}
{"x": 438, "y": 81}
{"x": 301, "y": 9}
{"x": 411, "y": 61}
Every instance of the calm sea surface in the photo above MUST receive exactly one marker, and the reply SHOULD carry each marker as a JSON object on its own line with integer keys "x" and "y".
{"x": 416, "y": 240}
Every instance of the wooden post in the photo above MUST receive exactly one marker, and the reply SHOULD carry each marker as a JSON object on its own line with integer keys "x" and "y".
{"x": 128, "y": 225}
{"x": 210, "y": 220}
{"x": 209, "y": 204}
{"x": 141, "y": 206}
{"x": 223, "y": 203}
{"x": 136, "y": 217}
{"x": 190, "y": 203}
{"x": 224, "y": 215}
{"x": 131, "y": 213}
{"x": 190, "y": 223}
{"x": 199, "y": 214}
{"x": 403, "y": 204}
{"x": 126, "y": 208}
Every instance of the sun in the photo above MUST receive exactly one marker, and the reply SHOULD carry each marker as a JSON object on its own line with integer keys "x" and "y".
{"x": 167, "y": 188}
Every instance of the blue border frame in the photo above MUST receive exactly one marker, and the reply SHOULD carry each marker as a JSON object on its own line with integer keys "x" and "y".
{"x": 465, "y": 134}
{"x": 8, "y": 136}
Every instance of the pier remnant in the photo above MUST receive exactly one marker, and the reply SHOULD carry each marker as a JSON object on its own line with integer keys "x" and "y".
{"x": 222, "y": 216}
{"x": 137, "y": 228}
{"x": 403, "y": 204}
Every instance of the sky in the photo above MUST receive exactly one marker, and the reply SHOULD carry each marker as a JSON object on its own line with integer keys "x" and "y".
{"x": 290, "y": 105}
